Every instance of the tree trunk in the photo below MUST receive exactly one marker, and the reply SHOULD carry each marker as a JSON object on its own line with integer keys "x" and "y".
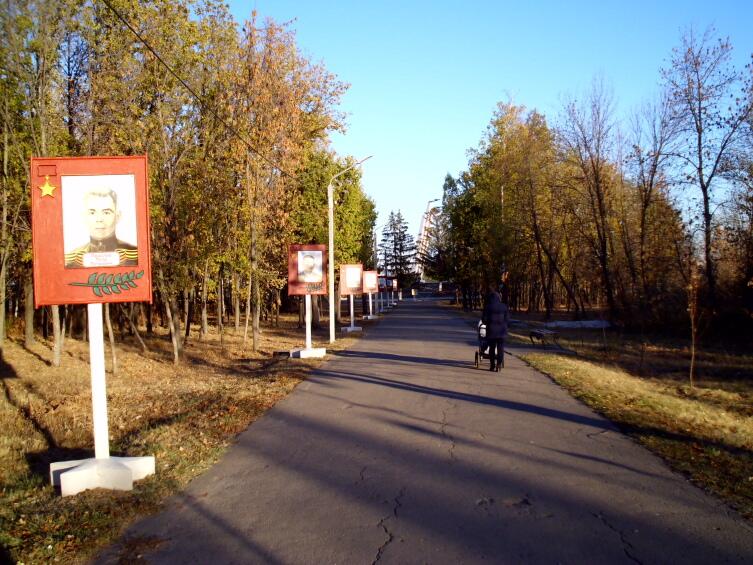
{"x": 29, "y": 311}
{"x": 316, "y": 311}
{"x": 3, "y": 287}
{"x": 257, "y": 313}
{"x": 173, "y": 320}
{"x": 248, "y": 310}
{"x": 710, "y": 264}
{"x": 134, "y": 326}
{"x": 236, "y": 302}
{"x": 693, "y": 311}
{"x": 4, "y": 233}
{"x": 276, "y": 307}
{"x": 188, "y": 297}
{"x": 63, "y": 320}
{"x": 338, "y": 305}
{"x": 57, "y": 348}
{"x": 111, "y": 336}
{"x": 204, "y": 318}
{"x": 221, "y": 310}
{"x": 255, "y": 287}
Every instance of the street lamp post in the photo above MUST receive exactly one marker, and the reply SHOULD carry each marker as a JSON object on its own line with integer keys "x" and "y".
{"x": 331, "y": 229}
{"x": 423, "y": 235}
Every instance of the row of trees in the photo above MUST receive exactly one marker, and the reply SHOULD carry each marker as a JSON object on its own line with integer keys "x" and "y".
{"x": 235, "y": 123}
{"x": 623, "y": 218}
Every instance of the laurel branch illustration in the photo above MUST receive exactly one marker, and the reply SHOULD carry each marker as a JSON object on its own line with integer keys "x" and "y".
{"x": 104, "y": 284}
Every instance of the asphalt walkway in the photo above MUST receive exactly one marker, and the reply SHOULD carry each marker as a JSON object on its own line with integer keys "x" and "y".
{"x": 399, "y": 451}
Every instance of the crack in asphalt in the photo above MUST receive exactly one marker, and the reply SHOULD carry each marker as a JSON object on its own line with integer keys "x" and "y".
{"x": 627, "y": 547}
{"x": 443, "y": 431}
{"x": 361, "y": 475}
{"x": 383, "y": 524}
{"x": 594, "y": 434}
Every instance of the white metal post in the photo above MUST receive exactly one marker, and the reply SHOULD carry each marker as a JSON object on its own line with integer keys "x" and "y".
{"x": 331, "y": 231}
{"x": 371, "y": 312}
{"x": 308, "y": 321}
{"x": 352, "y": 315}
{"x": 99, "y": 387}
{"x": 331, "y": 262}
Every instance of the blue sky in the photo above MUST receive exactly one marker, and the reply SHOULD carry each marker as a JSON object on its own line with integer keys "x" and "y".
{"x": 426, "y": 76}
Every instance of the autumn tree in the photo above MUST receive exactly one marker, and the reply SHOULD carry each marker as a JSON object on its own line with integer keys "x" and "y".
{"x": 587, "y": 141}
{"x": 711, "y": 104}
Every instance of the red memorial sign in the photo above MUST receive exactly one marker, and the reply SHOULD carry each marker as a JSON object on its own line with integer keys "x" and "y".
{"x": 370, "y": 282}
{"x": 90, "y": 230}
{"x": 350, "y": 279}
{"x": 307, "y": 269}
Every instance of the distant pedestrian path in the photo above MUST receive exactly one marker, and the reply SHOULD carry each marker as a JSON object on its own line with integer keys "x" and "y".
{"x": 399, "y": 451}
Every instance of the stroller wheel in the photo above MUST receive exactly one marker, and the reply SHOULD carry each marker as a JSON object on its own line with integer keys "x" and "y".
{"x": 476, "y": 360}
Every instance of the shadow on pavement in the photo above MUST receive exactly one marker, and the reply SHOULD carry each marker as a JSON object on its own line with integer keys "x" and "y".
{"x": 467, "y": 397}
{"x": 402, "y": 358}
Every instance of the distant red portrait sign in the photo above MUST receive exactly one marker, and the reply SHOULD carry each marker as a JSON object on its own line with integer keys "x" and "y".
{"x": 350, "y": 279}
{"x": 370, "y": 282}
{"x": 90, "y": 230}
{"x": 307, "y": 269}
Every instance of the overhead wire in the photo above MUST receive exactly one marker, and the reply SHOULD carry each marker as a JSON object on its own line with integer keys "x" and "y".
{"x": 229, "y": 127}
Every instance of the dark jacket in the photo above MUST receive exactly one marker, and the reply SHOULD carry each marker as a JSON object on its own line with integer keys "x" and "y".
{"x": 495, "y": 316}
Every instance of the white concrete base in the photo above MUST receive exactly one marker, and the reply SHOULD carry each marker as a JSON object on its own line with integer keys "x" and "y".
{"x": 348, "y": 329}
{"x": 308, "y": 353}
{"x": 371, "y": 317}
{"x": 115, "y": 473}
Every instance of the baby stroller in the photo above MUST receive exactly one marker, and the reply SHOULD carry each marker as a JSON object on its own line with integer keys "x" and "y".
{"x": 483, "y": 345}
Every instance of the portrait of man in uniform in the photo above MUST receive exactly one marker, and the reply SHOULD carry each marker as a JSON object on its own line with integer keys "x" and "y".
{"x": 93, "y": 211}
{"x": 310, "y": 266}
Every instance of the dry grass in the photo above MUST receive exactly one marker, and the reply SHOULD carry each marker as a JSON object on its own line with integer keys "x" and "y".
{"x": 186, "y": 416}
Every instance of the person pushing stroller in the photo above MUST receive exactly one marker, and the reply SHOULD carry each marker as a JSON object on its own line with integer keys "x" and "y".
{"x": 495, "y": 319}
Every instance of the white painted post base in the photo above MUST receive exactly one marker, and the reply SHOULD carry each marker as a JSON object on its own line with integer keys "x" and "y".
{"x": 370, "y": 315}
{"x": 103, "y": 471}
{"x": 349, "y": 329}
{"x": 114, "y": 473}
{"x": 308, "y": 352}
